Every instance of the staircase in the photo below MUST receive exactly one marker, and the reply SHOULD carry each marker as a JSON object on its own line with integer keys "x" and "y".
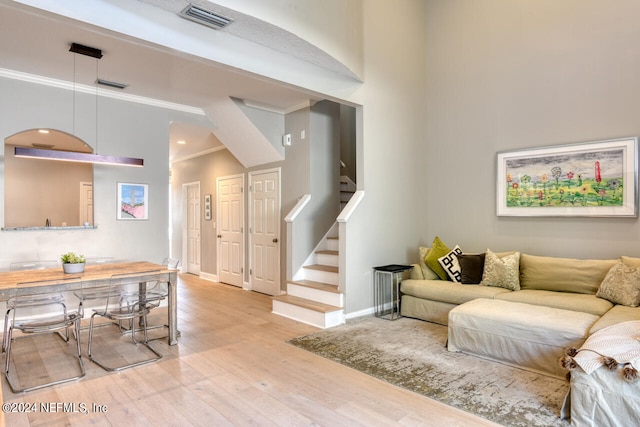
{"x": 347, "y": 189}
{"x": 314, "y": 298}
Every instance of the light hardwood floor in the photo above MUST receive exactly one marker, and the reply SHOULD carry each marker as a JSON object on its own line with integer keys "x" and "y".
{"x": 232, "y": 366}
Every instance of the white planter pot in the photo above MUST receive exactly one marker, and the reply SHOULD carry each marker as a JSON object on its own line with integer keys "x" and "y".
{"x": 73, "y": 268}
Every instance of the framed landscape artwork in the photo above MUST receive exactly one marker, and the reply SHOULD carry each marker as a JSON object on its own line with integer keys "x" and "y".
{"x": 133, "y": 201}
{"x": 587, "y": 179}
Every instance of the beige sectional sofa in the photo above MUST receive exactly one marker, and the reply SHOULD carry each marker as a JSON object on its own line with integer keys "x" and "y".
{"x": 549, "y": 305}
{"x": 563, "y": 283}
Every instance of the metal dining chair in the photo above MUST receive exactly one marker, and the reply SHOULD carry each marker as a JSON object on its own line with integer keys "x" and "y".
{"x": 158, "y": 293}
{"x": 51, "y": 316}
{"x": 125, "y": 302}
{"x": 162, "y": 292}
{"x": 35, "y": 299}
{"x": 97, "y": 294}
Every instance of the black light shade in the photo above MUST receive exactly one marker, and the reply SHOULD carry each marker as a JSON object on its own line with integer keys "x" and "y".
{"x": 72, "y": 156}
{"x": 85, "y": 50}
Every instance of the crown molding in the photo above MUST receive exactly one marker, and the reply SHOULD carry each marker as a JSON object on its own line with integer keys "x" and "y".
{"x": 198, "y": 154}
{"x": 92, "y": 90}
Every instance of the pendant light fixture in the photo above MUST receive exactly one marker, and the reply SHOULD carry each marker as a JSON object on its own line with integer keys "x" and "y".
{"x": 73, "y": 156}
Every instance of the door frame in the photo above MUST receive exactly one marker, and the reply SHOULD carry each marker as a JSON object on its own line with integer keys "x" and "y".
{"x": 245, "y": 284}
{"x": 185, "y": 226}
{"x": 83, "y": 206}
{"x": 278, "y": 170}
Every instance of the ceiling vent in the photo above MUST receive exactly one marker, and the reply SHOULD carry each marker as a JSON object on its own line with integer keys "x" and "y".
{"x": 205, "y": 17}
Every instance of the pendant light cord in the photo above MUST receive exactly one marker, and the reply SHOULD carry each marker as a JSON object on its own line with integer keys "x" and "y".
{"x": 73, "y": 106}
{"x": 96, "y": 86}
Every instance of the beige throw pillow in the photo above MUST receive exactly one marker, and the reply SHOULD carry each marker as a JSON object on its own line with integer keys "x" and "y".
{"x": 621, "y": 285}
{"x": 501, "y": 272}
{"x": 427, "y": 273}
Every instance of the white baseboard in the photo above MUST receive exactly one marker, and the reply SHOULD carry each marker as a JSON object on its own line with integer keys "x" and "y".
{"x": 361, "y": 313}
{"x": 209, "y": 276}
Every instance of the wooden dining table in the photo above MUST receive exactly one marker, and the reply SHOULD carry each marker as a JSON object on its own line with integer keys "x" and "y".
{"x": 55, "y": 280}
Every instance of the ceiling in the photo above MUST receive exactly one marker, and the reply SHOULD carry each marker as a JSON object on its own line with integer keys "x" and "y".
{"x": 37, "y": 42}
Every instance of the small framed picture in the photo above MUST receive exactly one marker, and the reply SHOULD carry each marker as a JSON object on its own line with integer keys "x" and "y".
{"x": 133, "y": 201}
{"x": 207, "y": 207}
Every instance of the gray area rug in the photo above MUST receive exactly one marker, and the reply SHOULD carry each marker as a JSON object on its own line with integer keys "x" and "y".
{"x": 411, "y": 354}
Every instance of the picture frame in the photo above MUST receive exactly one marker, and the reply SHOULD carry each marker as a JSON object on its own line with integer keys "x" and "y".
{"x": 133, "y": 201}
{"x": 207, "y": 207}
{"x": 591, "y": 179}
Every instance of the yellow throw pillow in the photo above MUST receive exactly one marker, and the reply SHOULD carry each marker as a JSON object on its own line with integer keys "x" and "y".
{"x": 438, "y": 250}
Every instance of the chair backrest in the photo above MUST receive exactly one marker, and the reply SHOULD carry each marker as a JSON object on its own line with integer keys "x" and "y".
{"x": 128, "y": 288}
{"x": 40, "y": 298}
{"x": 171, "y": 263}
{"x": 99, "y": 260}
{"x": 33, "y": 265}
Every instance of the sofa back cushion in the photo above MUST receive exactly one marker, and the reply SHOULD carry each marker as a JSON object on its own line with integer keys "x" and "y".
{"x": 582, "y": 276}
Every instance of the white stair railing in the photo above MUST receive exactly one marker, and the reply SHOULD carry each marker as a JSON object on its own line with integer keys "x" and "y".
{"x": 289, "y": 220}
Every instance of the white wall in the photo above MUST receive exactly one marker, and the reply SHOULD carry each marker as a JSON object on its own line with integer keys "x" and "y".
{"x": 387, "y": 227}
{"x": 506, "y": 75}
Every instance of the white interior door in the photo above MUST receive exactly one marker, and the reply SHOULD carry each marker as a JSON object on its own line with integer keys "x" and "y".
{"x": 230, "y": 222}
{"x": 265, "y": 231}
{"x": 193, "y": 228}
{"x": 86, "y": 203}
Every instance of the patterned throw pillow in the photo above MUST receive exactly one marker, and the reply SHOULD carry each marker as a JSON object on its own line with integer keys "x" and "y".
{"x": 501, "y": 272}
{"x": 449, "y": 263}
{"x": 438, "y": 250}
{"x": 621, "y": 285}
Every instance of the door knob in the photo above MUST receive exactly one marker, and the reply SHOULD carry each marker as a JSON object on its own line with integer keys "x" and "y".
{"x": 275, "y": 240}
{"x": 219, "y": 236}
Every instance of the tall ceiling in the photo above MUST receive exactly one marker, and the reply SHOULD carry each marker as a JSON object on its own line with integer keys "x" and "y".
{"x": 37, "y": 42}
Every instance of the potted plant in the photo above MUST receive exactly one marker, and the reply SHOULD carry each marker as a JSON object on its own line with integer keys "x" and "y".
{"x": 72, "y": 263}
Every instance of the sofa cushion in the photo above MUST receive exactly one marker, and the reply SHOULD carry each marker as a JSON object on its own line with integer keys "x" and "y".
{"x": 471, "y": 267}
{"x": 502, "y": 272}
{"x": 564, "y": 300}
{"x": 449, "y": 264}
{"x": 621, "y": 285}
{"x": 438, "y": 250}
{"x": 449, "y": 292}
{"x": 563, "y": 274}
{"x": 427, "y": 273}
{"x": 618, "y": 314}
{"x": 630, "y": 261}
